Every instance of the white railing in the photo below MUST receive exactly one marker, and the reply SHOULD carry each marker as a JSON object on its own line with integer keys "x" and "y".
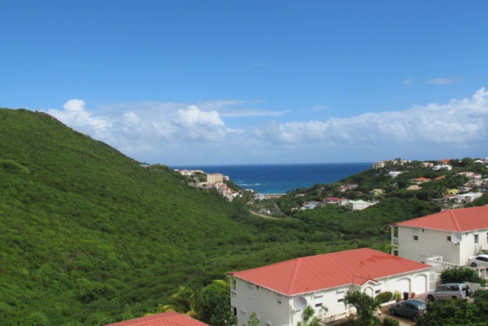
{"x": 395, "y": 240}
{"x": 438, "y": 264}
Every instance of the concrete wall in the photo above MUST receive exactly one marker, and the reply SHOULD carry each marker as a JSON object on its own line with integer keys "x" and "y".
{"x": 434, "y": 243}
{"x": 249, "y": 298}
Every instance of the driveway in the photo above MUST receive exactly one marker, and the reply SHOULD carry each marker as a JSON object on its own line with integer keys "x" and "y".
{"x": 403, "y": 321}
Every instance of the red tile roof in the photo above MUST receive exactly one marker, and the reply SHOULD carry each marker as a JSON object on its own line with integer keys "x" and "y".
{"x": 456, "y": 220}
{"x": 164, "y": 319}
{"x": 314, "y": 273}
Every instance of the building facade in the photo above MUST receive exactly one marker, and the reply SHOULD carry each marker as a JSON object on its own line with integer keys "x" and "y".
{"x": 279, "y": 293}
{"x": 451, "y": 236}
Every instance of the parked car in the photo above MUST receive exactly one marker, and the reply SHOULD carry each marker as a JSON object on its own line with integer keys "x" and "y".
{"x": 480, "y": 260}
{"x": 450, "y": 291}
{"x": 409, "y": 308}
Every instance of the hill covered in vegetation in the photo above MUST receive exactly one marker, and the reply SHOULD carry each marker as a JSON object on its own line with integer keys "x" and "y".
{"x": 401, "y": 180}
{"x": 88, "y": 236}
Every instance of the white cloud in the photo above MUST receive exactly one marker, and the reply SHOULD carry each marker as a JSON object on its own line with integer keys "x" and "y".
{"x": 174, "y": 130}
{"x": 458, "y": 122}
{"x": 443, "y": 80}
{"x": 252, "y": 113}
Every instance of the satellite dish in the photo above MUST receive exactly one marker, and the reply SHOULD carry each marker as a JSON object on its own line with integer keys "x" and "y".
{"x": 300, "y": 303}
{"x": 456, "y": 237}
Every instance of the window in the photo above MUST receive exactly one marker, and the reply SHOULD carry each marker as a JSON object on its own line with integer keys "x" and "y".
{"x": 234, "y": 309}
{"x": 278, "y": 302}
{"x": 340, "y": 296}
{"x": 415, "y": 238}
{"x": 476, "y": 238}
{"x": 449, "y": 238}
{"x": 319, "y": 299}
{"x": 395, "y": 252}
{"x": 377, "y": 292}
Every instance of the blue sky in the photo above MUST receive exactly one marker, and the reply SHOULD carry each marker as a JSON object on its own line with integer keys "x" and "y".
{"x": 210, "y": 82}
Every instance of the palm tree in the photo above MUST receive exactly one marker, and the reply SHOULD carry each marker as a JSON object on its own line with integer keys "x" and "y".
{"x": 187, "y": 301}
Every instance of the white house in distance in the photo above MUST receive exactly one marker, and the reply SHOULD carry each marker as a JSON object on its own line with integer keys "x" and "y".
{"x": 448, "y": 237}
{"x": 279, "y": 293}
{"x": 357, "y": 205}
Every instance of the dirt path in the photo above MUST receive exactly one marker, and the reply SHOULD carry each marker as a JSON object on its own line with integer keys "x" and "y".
{"x": 263, "y": 215}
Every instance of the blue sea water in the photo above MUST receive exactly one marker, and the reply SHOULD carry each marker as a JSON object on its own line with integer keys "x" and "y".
{"x": 279, "y": 178}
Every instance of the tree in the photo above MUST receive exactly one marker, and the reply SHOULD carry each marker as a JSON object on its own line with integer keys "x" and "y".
{"x": 308, "y": 319}
{"x": 253, "y": 320}
{"x": 187, "y": 301}
{"x": 460, "y": 275}
{"x": 365, "y": 308}
{"x": 216, "y": 310}
{"x": 451, "y": 312}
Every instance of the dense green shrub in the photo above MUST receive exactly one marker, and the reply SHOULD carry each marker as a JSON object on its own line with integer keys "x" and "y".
{"x": 384, "y": 297}
{"x": 460, "y": 275}
{"x": 388, "y": 321}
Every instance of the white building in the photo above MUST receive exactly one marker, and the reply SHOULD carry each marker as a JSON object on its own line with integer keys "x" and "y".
{"x": 279, "y": 293}
{"x": 451, "y": 236}
{"x": 357, "y": 205}
{"x": 466, "y": 198}
{"x": 395, "y": 174}
{"x": 442, "y": 167}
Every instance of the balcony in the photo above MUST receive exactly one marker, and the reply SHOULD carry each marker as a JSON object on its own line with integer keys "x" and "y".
{"x": 439, "y": 266}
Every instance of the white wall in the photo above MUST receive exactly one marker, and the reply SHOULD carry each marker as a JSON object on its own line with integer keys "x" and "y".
{"x": 467, "y": 246}
{"x": 430, "y": 243}
{"x": 434, "y": 243}
{"x": 263, "y": 302}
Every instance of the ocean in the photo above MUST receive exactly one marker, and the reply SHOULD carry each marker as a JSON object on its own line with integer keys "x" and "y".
{"x": 279, "y": 178}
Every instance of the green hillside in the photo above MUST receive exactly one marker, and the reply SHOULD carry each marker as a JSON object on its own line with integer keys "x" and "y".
{"x": 88, "y": 236}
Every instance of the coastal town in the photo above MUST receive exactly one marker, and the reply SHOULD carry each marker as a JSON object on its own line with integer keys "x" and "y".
{"x": 446, "y": 183}
{"x": 218, "y": 181}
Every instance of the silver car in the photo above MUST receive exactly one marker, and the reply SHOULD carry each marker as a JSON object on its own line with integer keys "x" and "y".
{"x": 450, "y": 291}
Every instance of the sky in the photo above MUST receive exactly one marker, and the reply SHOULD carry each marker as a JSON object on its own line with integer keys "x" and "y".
{"x": 250, "y": 82}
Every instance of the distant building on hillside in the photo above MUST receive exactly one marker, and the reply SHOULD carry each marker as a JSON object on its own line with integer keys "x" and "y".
{"x": 427, "y": 164}
{"x": 357, "y": 205}
{"x": 414, "y": 187}
{"x": 442, "y": 167}
{"x": 215, "y": 177}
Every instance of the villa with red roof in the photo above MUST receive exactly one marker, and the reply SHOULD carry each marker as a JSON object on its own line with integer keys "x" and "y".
{"x": 164, "y": 319}
{"x": 448, "y": 237}
{"x": 279, "y": 293}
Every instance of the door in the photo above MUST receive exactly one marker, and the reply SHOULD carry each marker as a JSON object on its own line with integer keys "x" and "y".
{"x": 419, "y": 284}
{"x": 369, "y": 291}
{"x": 402, "y": 285}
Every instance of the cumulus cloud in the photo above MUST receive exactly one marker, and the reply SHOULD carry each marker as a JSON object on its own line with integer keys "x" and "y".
{"x": 182, "y": 130}
{"x": 458, "y": 122}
